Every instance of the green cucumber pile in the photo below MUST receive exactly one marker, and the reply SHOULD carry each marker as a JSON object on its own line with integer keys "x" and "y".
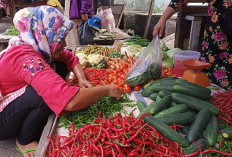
{"x": 178, "y": 102}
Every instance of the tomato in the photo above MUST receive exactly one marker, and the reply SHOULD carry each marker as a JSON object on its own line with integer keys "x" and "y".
{"x": 137, "y": 88}
{"x": 163, "y": 68}
{"x": 170, "y": 69}
{"x": 115, "y": 81}
{"x": 121, "y": 89}
{"x": 174, "y": 75}
{"x": 127, "y": 88}
{"x": 169, "y": 73}
{"x": 122, "y": 82}
{"x": 111, "y": 75}
{"x": 164, "y": 74}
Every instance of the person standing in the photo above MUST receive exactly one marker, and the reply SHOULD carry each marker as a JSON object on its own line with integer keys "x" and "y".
{"x": 216, "y": 46}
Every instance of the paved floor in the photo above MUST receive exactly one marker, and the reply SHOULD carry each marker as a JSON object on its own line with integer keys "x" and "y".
{"x": 5, "y": 23}
{"x": 7, "y": 148}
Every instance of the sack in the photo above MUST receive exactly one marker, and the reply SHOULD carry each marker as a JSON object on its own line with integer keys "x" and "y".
{"x": 85, "y": 33}
{"x": 107, "y": 19}
{"x": 227, "y": 25}
{"x": 148, "y": 66}
{"x": 73, "y": 12}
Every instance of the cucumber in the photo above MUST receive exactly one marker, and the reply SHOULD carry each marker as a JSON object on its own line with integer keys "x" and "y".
{"x": 192, "y": 91}
{"x": 194, "y": 103}
{"x": 158, "y": 87}
{"x": 194, "y": 147}
{"x": 176, "y": 109}
{"x": 157, "y": 106}
{"x": 166, "y": 131}
{"x": 183, "y": 82}
{"x": 210, "y": 133}
{"x": 184, "y": 129}
{"x": 153, "y": 96}
{"x": 158, "y": 98}
{"x": 146, "y": 93}
{"x": 164, "y": 93}
{"x": 157, "y": 81}
{"x": 141, "y": 105}
{"x": 172, "y": 104}
{"x": 198, "y": 125}
{"x": 226, "y": 133}
{"x": 178, "y": 118}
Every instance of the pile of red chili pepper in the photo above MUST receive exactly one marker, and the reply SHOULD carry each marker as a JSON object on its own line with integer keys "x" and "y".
{"x": 223, "y": 100}
{"x": 116, "y": 136}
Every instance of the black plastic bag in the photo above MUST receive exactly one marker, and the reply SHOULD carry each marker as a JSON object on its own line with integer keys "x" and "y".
{"x": 85, "y": 33}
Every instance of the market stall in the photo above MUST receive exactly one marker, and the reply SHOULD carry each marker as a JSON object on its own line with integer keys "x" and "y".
{"x": 180, "y": 118}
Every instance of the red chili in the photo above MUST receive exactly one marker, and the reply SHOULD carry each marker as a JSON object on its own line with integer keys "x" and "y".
{"x": 216, "y": 151}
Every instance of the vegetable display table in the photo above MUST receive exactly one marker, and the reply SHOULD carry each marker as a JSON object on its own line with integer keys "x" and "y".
{"x": 52, "y": 126}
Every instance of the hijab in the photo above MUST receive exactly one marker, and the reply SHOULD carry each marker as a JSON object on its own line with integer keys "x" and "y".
{"x": 41, "y": 27}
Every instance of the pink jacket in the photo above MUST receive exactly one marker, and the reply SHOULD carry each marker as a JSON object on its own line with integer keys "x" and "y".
{"x": 22, "y": 65}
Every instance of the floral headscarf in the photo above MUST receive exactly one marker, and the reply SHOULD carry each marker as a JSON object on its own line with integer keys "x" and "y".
{"x": 42, "y": 27}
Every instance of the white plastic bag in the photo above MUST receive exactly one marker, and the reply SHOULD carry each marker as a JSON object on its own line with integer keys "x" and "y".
{"x": 148, "y": 66}
{"x": 107, "y": 19}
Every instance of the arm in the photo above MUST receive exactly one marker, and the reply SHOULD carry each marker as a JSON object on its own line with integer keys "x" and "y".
{"x": 86, "y": 8}
{"x": 160, "y": 26}
{"x": 72, "y": 62}
{"x": 77, "y": 70}
{"x": 87, "y": 96}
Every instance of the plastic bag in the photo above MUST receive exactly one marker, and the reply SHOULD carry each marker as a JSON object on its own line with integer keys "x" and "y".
{"x": 85, "y": 33}
{"x": 107, "y": 20}
{"x": 148, "y": 66}
{"x": 99, "y": 12}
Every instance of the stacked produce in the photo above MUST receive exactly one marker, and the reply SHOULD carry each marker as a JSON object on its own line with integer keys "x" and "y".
{"x": 12, "y": 31}
{"x": 96, "y": 56}
{"x": 186, "y": 105}
{"x": 116, "y": 136}
{"x": 134, "y": 45}
{"x": 167, "y": 55}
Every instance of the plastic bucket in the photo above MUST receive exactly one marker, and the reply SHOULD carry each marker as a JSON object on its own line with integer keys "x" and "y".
{"x": 179, "y": 57}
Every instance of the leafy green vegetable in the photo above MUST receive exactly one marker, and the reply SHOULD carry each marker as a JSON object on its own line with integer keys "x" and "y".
{"x": 107, "y": 105}
{"x": 11, "y": 31}
{"x": 151, "y": 72}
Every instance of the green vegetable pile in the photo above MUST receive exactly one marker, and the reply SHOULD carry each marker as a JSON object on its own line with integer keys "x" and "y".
{"x": 151, "y": 72}
{"x": 167, "y": 55}
{"x": 137, "y": 40}
{"x": 11, "y": 31}
{"x": 107, "y": 105}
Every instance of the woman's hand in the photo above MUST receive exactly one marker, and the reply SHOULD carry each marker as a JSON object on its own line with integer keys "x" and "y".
{"x": 83, "y": 83}
{"x": 114, "y": 91}
{"x": 84, "y": 17}
{"x": 159, "y": 28}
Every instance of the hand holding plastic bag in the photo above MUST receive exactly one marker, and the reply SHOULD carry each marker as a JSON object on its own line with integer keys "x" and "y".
{"x": 85, "y": 33}
{"x": 148, "y": 66}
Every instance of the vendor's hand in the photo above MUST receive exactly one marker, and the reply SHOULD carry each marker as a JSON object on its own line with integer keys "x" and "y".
{"x": 83, "y": 83}
{"x": 114, "y": 91}
{"x": 84, "y": 17}
{"x": 159, "y": 28}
